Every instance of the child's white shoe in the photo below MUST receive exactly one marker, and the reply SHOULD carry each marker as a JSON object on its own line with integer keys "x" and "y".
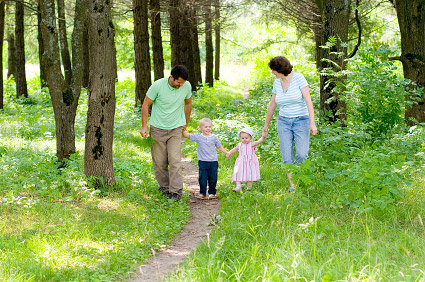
{"x": 237, "y": 189}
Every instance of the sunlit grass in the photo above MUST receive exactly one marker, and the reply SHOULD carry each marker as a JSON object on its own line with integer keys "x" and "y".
{"x": 53, "y": 225}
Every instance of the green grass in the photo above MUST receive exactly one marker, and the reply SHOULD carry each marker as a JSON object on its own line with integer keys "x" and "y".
{"x": 53, "y": 225}
{"x": 357, "y": 214}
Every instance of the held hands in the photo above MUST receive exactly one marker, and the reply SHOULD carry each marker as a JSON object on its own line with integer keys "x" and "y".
{"x": 228, "y": 154}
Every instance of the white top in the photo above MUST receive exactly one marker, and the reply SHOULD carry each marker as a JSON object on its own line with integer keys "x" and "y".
{"x": 291, "y": 101}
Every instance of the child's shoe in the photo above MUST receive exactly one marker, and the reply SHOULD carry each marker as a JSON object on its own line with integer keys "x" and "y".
{"x": 201, "y": 197}
{"x": 291, "y": 189}
{"x": 237, "y": 189}
{"x": 212, "y": 196}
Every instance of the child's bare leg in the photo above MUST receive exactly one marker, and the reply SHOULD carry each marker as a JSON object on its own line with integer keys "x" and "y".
{"x": 238, "y": 186}
{"x": 248, "y": 185}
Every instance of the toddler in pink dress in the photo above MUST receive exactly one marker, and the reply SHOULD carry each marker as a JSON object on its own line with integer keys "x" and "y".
{"x": 247, "y": 168}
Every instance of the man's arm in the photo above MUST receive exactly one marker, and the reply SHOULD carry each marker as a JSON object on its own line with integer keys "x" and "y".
{"x": 145, "y": 111}
{"x": 187, "y": 110}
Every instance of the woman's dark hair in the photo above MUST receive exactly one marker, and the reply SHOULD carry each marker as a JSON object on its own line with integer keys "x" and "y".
{"x": 179, "y": 71}
{"x": 281, "y": 65}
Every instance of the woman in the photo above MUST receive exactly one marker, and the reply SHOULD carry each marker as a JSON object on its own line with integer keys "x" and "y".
{"x": 296, "y": 114}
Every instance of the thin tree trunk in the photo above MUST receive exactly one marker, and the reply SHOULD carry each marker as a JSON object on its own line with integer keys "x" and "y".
{"x": 209, "y": 51}
{"x": 174, "y": 12}
{"x": 217, "y": 40}
{"x": 64, "y": 97}
{"x": 335, "y": 21}
{"x": 11, "y": 55}
{"x": 20, "y": 76}
{"x": 157, "y": 50}
{"x": 98, "y": 161}
{"x": 66, "y": 59}
{"x": 411, "y": 19}
{"x": 2, "y": 15}
{"x": 86, "y": 59}
{"x": 186, "y": 55}
{"x": 195, "y": 45}
{"x": 43, "y": 81}
{"x": 142, "y": 60}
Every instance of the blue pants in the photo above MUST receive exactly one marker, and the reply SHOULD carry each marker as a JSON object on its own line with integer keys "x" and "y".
{"x": 208, "y": 172}
{"x": 294, "y": 131}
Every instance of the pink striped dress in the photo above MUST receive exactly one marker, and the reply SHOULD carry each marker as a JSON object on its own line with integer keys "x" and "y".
{"x": 247, "y": 167}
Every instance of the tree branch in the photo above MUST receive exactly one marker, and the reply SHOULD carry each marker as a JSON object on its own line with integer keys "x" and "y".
{"x": 359, "y": 39}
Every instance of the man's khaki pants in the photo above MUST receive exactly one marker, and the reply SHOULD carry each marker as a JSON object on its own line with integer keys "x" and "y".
{"x": 166, "y": 158}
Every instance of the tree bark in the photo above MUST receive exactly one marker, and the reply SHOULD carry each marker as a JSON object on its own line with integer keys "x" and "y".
{"x": 217, "y": 39}
{"x": 64, "y": 97}
{"x": 11, "y": 55}
{"x": 209, "y": 51}
{"x": 66, "y": 59}
{"x": 174, "y": 12}
{"x": 86, "y": 59}
{"x": 43, "y": 81}
{"x": 142, "y": 60}
{"x": 186, "y": 44}
{"x": 157, "y": 50}
{"x": 335, "y": 16}
{"x": 98, "y": 160}
{"x": 197, "y": 75}
{"x": 20, "y": 76}
{"x": 411, "y": 19}
{"x": 2, "y": 15}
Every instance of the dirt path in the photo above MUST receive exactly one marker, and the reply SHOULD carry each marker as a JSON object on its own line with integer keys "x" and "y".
{"x": 193, "y": 233}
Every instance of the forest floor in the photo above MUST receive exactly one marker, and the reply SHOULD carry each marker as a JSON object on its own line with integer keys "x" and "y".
{"x": 197, "y": 229}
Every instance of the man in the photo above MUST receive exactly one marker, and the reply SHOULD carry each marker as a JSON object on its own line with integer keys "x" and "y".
{"x": 171, "y": 107}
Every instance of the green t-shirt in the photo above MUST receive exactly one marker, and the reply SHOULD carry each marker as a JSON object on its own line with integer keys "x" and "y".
{"x": 168, "y": 104}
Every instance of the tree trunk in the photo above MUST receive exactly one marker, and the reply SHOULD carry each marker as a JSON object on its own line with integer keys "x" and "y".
{"x": 85, "y": 55}
{"x": 98, "y": 160}
{"x": 142, "y": 60}
{"x": 186, "y": 55}
{"x": 335, "y": 20}
{"x": 209, "y": 51}
{"x": 158, "y": 55}
{"x": 195, "y": 47}
{"x": 64, "y": 97}
{"x": 174, "y": 12}
{"x": 217, "y": 40}
{"x": 20, "y": 76}
{"x": 2, "y": 15}
{"x": 66, "y": 59}
{"x": 411, "y": 19}
{"x": 11, "y": 55}
{"x": 43, "y": 81}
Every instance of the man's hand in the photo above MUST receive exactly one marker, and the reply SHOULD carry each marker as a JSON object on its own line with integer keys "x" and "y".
{"x": 144, "y": 132}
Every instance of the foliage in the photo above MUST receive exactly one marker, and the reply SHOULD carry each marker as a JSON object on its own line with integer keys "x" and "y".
{"x": 376, "y": 91}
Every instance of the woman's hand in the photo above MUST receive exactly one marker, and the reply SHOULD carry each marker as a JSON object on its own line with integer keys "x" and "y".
{"x": 265, "y": 131}
{"x": 313, "y": 129}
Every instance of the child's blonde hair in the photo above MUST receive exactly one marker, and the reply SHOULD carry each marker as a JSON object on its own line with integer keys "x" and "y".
{"x": 204, "y": 121}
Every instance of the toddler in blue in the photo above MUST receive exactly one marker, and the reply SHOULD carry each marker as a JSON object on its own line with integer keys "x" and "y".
{"x": 207, "y": 143}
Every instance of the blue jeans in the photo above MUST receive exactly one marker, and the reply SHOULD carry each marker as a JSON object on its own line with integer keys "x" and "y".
{"x": 208, "y": 172}
{"x": 292, "y": 131}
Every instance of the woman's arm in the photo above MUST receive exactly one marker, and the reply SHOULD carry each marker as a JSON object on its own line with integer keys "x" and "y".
{"x": 307, "y": 98}
{"x": 270, "y": 112}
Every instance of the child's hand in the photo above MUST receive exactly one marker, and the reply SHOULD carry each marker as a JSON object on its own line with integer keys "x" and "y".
{"x": 264, "y": 134}
{"x": 228, "y": 154}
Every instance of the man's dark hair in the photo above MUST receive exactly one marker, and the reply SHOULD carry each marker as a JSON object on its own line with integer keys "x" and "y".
{"x": 281, "y": 65}
{"x": 179, "y": 71}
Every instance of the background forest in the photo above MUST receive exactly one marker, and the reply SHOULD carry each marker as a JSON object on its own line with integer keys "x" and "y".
{"x": 78, "y": 197}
